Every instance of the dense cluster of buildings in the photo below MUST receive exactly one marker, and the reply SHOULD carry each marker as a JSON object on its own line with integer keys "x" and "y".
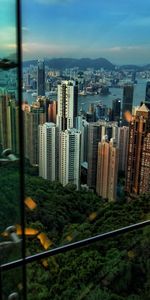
{"x": 65, "y": 144}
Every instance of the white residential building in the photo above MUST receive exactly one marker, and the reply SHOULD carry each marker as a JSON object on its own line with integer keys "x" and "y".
{"x": 48, "y": 151}
{"x": 69, "y": 157}
{"x": 67, "y": 104}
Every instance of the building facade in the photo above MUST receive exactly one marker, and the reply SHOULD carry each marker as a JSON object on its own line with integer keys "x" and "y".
{"x": 41, "y": 78}
{"x": 69, "y": 157}
{"x": 67, "y": 104}
{"x": 147, "y": 95}
{"x": 123, "y": 138}
{"x": 138, "y": 161}
{"x": 116, "y": 109}
{"x": 34, "y": 115}
{"x": 9, "y": 116}
{"x": 107, "y": 169}
{"x": 127, "y": 99}
{"x": 94, "y": 137}
{"x": 48, "y": 151}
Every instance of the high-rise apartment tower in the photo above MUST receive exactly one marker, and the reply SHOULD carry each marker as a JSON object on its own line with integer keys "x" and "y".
{"x": 94, "y": 137}
{"x": 48, "y": 151}
{"x": 147, "y": 95}
{"x": 41, "y": 78}
{"x": 69, "y": 157}
{"x": 107, "y": 169}
{"x": 127, "y": 98}
{"x": 67, "y": 104}
{"x": 138, "y": 162}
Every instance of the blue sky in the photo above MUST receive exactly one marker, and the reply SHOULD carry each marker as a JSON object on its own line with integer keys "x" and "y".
{"x": 7, "y": 27}
{"x": 118, "y": 30}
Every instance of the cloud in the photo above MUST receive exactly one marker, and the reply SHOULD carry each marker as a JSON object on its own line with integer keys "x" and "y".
{"x": 117, "y": 53}
{"x": 25, "y": 29}
{"x": 7, "y": 40}
{"x": 45, "y": 49}
{"x": 7, "y": 35}
{"x": 121, "y": 48}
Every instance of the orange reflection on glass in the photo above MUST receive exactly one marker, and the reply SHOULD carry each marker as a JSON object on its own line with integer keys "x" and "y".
{"x": 28, "y": 231}
{"x": 4, "y": 234}
{"x": 92, "y": 216}
{"x": 45, "y": 263}
{"x": 128, "y": 116}
{"x": 30, "y": 203}
{"x": 69, "y": 238}
{"x": 131, "y": 254}
{"x": 45, "y": 241}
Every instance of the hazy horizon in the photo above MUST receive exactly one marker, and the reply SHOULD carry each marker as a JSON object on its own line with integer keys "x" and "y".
{"x": 80, "y": 58}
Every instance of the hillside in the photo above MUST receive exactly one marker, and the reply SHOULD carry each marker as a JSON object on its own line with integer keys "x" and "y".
{"x": 83, "y": 63}
{"x": 115, "y": 269}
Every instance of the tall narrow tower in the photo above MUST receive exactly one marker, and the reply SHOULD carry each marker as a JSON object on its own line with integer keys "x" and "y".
{"x": 116, "y": 109}
{"x": 107, "y": 169}
{"x": 127, "y": 98}
{"x": 34, "y": 115}
{"x": 123, "y": 137}
{"x": 8, "y": 122}
{"x": 69, "y": 157}
{"x": 138, "y": 161}
{"x": 94, "y": 137}
{"x": 41, "y": 78}
{"x": 48, "y": 151}
{"x": 67, "y": 104}
{"x": 147, "y": 95}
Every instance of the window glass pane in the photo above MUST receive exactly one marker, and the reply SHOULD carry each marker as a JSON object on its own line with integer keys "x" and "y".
{"x": 86, "y": 133}
{"x": 10, "y": 221}
{"x": 9, "y": 134}
{"x": 112, "y": 269}
{"x": 8, "y": 29}
{"x": 12, "y": 287}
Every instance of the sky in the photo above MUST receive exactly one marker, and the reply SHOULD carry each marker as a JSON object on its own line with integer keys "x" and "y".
{"x": 117, "y": 30}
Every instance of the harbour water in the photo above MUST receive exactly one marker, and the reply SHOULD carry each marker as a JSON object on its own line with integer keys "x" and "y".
{"x": 85, "y": 101}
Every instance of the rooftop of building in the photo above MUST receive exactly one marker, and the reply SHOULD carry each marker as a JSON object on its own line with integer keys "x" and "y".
{"x": 143, "y": 108}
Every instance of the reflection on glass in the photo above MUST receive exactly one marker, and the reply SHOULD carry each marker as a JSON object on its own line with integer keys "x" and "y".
{"x": 10, "y": 241}
{"x": 8, "y": 29}
{"x": 112, "y": 269}
{"x": 12, "y": 287}
{"x": 86, "y": 132}
{"x": 57, "y": 215}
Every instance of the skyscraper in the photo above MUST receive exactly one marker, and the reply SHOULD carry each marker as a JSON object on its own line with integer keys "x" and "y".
{"x": 138, "y": 161}
{"x": 52, "y": 111}
{"x": 48, "y": 151}
{"x": 14, "y": 117}
{"x": 94, "y": 137}
{"x": 110, "y": 129}
{"x": 147, "y": 95}
{"x": 9, "y": 130}
{"x": 5, "y": 122}
{"x": 123, "y": 138}
{"x": 69, "y": 157}
{"x": 116, "y": 109}
{"x": 67, "y": 104}
{"x": 82, "y": 125}
{"x": 41, "y": 78}
{"x": 127, "y": 98}
{"x": 107, "y": 169}
{"x": 33, "y": 116}
{"x": 44, "y": 103}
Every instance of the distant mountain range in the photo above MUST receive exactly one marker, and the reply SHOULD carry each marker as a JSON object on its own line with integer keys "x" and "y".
{"x": 84, "y": 63}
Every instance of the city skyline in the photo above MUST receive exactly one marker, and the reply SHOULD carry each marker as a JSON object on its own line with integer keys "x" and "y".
{"x": 116, "y": 30}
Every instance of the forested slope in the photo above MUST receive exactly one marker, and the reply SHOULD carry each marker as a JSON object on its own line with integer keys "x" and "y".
{"x": 116, "y": 268}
